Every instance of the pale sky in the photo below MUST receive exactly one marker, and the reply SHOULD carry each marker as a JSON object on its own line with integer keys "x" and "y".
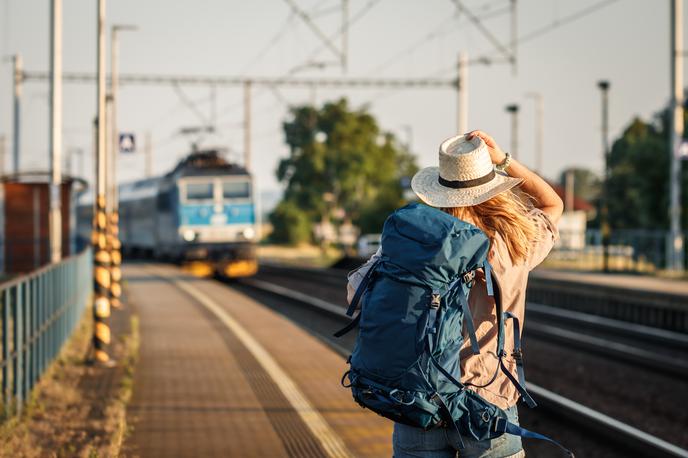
{"x": 626, "y": 41}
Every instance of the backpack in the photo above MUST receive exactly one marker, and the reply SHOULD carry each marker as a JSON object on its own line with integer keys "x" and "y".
{"x": 405, "y": 364}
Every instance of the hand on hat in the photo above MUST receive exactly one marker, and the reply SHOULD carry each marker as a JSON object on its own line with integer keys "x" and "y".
{"x": 496, "y": 153}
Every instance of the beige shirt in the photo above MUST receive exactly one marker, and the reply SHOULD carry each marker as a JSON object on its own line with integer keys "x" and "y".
{"x": 478, "y": 369}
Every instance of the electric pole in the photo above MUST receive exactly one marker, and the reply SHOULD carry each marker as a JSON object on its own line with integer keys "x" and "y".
{"x": 462, "y": 93}
{"x": 604, "y": 211}
{"x": 513, "y": 111}
{"x": 55, "y": 215}
{"x": 18, "y": 79}
{"x": 148, "y": 151}
{"x": 101, "y": 257}
{"x": 3, "y": 150}
{"x": 247, "y": 125}
{"x": 675, "y": 258}
{"x": 114, "y": 243}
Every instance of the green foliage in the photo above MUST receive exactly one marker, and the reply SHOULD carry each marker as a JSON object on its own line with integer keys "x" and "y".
{"x": 340, "y": 159}
{"x": 587, "y": 185}
{"x": 639, "y": 177}
{"x": 290, "y": 224}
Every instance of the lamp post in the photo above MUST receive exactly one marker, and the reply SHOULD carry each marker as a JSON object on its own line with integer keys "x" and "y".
{"x": 675, "y": 248}
{"x": 604, "y": 210}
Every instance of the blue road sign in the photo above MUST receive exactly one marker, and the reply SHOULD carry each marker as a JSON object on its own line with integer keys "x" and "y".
{"x": 127, "y": 143}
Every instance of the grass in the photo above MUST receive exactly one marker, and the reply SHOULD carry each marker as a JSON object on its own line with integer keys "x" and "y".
{"x": 303, "y": 255}
{"x": 77, "y": 409}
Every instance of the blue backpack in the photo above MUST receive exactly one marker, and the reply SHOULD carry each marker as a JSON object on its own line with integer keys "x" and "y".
{"x": 405, "y": 365}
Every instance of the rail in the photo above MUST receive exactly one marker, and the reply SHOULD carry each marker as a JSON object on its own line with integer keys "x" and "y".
{"x": 38, "y": 312}
{"x": 589, "y": 419}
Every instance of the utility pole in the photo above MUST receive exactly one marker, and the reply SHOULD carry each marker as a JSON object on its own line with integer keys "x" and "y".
{"x": 247, "y": 125}
{"x": 114, "y": 243}
{"x": 462, "y": 93}
{"x": 513, "y": 110}
{"x": 55, "y": 215}
{"x": 604, "y": 211}
{"x": 675, "y": 255}
{"x": 3, "y": 151}
{"x": 539, "y": 129}
{"x": 148, "y": 150}
{"x": 101, "y": 257}
{"x": 570, "y": 190}
{"x": 18, "y": 72}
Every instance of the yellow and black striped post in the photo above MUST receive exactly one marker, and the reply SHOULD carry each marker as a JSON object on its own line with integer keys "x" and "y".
{"x": 115, "y": 247}
{"x": 101, "y": 283}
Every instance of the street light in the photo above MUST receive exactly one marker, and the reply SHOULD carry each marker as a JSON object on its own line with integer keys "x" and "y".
{"x": 513, "y": 110}
{"x": 604, "y": 210}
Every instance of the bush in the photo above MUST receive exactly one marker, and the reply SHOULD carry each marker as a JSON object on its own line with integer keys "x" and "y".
{"x": 290, "y": 224}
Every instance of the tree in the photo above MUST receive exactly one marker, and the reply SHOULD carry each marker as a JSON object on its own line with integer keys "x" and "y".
{"x": 639, "y": 177}
{"x": 289, "y": 224}
{"x": 341, "y": 153}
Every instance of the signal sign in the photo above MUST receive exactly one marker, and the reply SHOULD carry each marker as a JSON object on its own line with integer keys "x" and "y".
{"x": 127, "y": 143}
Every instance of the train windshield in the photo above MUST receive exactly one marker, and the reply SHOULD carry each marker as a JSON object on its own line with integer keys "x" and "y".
{"x": 199, "y": 191}
{"x": 235, "y": 189}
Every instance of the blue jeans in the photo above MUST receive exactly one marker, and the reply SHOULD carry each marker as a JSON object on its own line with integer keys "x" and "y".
{"x": 413, "y": 442}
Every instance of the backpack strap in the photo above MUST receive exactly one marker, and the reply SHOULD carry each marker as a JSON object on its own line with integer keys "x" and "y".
{"x": 502, "y": 425}
{"x": 439, "y": 401}
{"x": 520, "y": 384}
{"x": 361, "y": 288}
{"x": 470, "y": 325}
{"x": 356, "y": 299}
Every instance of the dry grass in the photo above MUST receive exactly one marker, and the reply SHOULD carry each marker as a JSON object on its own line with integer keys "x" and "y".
{"x": 77, "y": 410}
{"x": 302, "y": 255}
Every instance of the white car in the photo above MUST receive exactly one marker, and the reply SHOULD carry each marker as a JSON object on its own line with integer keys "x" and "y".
{"x": 368, "y": 245}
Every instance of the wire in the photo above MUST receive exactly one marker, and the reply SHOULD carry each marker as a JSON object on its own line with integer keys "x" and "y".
{"x": 355, "y": 18}
{"x": 271, "y": 43}
{"x": 567, "y": 19}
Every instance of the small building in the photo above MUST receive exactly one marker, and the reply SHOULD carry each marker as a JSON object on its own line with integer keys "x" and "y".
{"x": 24, "y": 229}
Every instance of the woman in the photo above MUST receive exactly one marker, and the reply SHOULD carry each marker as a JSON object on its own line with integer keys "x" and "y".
{"x": 521, "y": 225}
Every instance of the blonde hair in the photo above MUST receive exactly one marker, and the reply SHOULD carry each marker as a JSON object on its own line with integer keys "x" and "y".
{"x": 505, "y": 214}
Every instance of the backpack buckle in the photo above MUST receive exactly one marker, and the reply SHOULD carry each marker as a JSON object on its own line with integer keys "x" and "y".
{"x": 468, "y": 276}
{"x": 517, "y": 355}
{"x": 435, "y": 299}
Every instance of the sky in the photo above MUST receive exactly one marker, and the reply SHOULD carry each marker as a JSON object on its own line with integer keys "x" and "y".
{"x": 623, "y": 41}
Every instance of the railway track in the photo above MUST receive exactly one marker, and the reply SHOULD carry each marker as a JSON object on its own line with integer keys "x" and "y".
{"x": 590, "y": 419}
{"x": 650, "y": 348}
{"x": 661, "y": 310}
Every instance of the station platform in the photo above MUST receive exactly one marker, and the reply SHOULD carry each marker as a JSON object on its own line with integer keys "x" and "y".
{"x": 219, "y": 374}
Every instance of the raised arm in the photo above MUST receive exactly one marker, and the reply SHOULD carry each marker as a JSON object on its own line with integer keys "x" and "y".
{"x": 547, "y": 199}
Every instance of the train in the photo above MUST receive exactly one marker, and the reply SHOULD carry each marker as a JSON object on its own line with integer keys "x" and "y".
{"x": 201, "y": 214}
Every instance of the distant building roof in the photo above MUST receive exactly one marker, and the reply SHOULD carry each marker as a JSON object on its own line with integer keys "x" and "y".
{"x": 578, "y": 203}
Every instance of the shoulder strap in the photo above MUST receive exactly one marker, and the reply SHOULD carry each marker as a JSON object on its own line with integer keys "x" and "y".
{"x": 520, "y": 384}
{"x": 361, "y": 288}
{"x": 356, "y": 299}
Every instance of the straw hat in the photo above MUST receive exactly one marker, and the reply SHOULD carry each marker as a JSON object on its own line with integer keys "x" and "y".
{"x": 465, "y": 177}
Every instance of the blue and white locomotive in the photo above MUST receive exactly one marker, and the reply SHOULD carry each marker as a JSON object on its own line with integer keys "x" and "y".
{"x": 202, "y": 214}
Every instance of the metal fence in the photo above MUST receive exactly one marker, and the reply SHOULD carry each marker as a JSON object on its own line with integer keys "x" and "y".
{"x": 38, "y": 312}
{"x": 630, "y": 250}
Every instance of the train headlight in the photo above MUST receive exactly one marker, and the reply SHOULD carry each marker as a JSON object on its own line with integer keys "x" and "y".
{"x": 248, "y": 233}
{"x": 189, "y": 235}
